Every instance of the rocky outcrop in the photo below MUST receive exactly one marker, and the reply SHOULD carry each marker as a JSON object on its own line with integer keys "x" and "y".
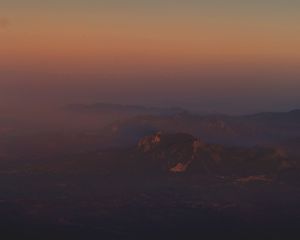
{"x": 180, "y": 167}
{"x": 148, "y": 143}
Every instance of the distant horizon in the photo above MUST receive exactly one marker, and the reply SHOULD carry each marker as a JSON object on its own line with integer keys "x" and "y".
{"x": 55, "y": 107}
{"x": 189, "y": 109}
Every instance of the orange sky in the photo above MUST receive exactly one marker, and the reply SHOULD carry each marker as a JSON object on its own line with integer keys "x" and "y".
{"x": 140, "y": 42}
{"x": 116, "y": 37}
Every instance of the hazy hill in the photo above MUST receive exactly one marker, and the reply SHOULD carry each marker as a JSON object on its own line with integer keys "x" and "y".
{"x": 122, "y": 109}
{"x": 263, "y": 128}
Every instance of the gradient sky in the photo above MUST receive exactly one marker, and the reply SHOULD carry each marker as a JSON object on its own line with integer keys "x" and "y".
{"x": 225, "y": 56}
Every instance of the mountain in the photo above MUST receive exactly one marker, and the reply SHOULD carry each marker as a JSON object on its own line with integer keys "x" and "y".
{"x": 263, "y": 128}
{"x": 183, "y": 153}
{"x": 162, "y": 154}
{"x": 123, "y": 109}
{"x": 293, "y": 115}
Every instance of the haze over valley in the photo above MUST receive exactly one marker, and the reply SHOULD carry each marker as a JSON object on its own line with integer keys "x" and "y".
{"x": 150, "y": 119}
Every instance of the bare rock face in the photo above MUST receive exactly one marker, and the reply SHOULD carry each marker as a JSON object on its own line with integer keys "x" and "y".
{"x": 180, "y": 167}
{"x": 161, "y": 140}
{"x": 149, "y": 142}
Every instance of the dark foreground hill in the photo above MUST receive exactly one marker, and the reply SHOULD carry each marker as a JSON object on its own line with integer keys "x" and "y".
{"x": 168, "y": 186}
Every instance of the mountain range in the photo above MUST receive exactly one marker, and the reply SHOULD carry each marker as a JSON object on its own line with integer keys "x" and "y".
{"x": 103, "y": 107}
{"x": 263, "y": 128}
{"x": 152, "y": 176}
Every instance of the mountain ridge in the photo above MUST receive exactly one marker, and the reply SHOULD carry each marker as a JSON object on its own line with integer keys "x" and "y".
{"x": 181, "y": 152}
{"x": 263, "y": 128}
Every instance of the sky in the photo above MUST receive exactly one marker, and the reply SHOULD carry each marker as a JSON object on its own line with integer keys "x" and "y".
{"x": 223, "y": 56}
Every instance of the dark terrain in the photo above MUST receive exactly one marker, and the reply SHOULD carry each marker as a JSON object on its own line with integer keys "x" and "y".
{"x": 172, "y": 175}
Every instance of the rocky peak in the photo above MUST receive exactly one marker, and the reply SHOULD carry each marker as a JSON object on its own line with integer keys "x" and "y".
{"x": 147, "y": 143}
{"x": 165, "y": 140}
